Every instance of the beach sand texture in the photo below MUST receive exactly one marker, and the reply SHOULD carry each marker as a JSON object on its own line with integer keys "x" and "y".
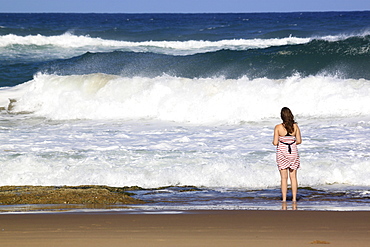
{"x": 189, "y": 228}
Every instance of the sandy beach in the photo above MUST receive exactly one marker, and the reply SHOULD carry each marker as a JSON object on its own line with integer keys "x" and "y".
{"x": 187, "y": 228}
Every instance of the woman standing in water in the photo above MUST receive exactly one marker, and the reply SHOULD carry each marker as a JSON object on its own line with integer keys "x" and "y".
{"x": 286, "y": 137}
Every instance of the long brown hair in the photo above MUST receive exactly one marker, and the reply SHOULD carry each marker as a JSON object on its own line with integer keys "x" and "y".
{"x": 288, "y": 119}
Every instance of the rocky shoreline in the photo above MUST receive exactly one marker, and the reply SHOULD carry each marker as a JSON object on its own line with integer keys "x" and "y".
{"x": 85, "y": 194}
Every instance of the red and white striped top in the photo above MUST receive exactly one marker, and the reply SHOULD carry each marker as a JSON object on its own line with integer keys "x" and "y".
{"x": 284, "y": 158}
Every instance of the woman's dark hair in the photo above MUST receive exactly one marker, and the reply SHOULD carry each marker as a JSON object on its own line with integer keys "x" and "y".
{"x": 288, "y": 119}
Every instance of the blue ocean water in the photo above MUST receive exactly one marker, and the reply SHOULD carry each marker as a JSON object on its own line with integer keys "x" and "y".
{"x": 173, "y": 100}
{"x": 273, "y": 45}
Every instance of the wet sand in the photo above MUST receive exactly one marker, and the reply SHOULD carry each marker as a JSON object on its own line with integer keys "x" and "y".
{"x": 187, "y": 228}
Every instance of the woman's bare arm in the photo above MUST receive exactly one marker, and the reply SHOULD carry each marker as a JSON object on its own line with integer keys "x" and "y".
{"x": 298, "y": 135}
{"x": 275, "y": 141}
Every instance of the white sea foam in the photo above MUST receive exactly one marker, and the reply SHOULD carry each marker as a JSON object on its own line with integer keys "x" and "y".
{"x": 152, "y": 154}
{"x": 197, "y": 101}
{"x": 79, "y": 43}
{"x": 154, "y": 132}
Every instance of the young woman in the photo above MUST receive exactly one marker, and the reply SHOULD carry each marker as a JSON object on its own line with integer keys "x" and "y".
{"x": 286, "y": 137}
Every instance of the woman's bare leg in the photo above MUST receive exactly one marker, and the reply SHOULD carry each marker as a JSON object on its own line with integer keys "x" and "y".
{"x": 284, "y": 183}
{"x": 294, "y": 182}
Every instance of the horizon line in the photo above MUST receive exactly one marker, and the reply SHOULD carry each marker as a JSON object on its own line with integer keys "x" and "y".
{"x": 231, "y": 12}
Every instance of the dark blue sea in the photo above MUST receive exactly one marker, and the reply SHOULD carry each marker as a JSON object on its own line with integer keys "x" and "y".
{"x": 169, "y": 102}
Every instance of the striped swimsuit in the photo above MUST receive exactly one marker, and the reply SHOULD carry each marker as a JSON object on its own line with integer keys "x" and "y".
{"x": 287, "y": 153}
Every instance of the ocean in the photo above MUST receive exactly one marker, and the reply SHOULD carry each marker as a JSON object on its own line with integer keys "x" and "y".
{"x": 184, "y": 105}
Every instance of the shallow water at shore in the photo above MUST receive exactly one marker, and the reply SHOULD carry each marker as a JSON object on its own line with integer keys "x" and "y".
{"x": 192, "y": 198}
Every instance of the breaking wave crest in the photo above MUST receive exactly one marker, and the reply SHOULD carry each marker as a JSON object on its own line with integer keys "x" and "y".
{"x": 198, "y": 101}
